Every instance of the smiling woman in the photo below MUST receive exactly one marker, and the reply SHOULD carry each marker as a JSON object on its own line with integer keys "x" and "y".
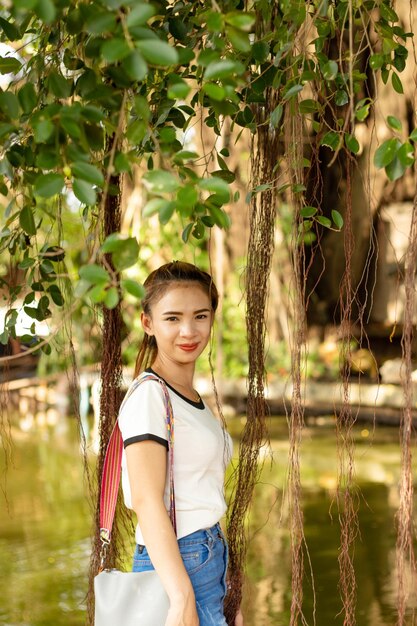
{"x": 188, "y": 548}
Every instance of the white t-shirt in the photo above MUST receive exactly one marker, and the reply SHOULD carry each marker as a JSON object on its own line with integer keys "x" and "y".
{"x": 202, "y": 449}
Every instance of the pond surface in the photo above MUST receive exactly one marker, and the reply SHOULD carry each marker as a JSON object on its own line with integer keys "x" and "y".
{"x": 46, "y": 520}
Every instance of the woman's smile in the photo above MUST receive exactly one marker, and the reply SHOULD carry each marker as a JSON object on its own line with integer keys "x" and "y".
{"x": 189, "y": 347}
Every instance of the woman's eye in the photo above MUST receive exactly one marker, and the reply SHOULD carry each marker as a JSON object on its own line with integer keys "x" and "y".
{"x": 202, "y": 316}
{"x": 171, "y": 319}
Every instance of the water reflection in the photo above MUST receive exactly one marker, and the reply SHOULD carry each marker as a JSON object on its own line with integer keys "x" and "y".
{"x": 44, "y": 534}
{"x": 268, "y": 593}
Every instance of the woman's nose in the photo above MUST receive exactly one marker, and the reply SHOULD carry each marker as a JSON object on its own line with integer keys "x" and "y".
{"x": 187, "y": 329}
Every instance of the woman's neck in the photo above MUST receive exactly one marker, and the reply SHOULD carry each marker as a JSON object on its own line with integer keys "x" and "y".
{"x": 179, "y": 377}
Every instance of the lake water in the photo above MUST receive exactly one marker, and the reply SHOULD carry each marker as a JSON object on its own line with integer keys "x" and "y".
{"x": 46, "y": 519}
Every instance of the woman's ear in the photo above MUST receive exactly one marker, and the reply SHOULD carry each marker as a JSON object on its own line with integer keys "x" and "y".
{"x": 146, "y": 322}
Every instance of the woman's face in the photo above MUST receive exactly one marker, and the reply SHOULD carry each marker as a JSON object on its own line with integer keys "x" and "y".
{"x": 181, "y": 322}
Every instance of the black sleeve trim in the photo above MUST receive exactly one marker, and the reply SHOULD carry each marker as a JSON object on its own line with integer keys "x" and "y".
{"x": 146, "y": 437}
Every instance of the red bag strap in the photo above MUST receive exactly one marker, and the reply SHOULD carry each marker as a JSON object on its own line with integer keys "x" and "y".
{"x": 110, "y": 478}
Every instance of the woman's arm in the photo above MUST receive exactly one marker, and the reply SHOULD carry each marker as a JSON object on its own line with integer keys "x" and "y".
{"x": 146, "y": 465}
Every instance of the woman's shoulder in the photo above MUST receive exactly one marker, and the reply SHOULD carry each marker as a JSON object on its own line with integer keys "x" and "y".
{"x": 144, "y": 388}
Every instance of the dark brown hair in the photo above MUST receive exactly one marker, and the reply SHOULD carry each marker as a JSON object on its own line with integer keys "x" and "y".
{"x": 156, "y": 285}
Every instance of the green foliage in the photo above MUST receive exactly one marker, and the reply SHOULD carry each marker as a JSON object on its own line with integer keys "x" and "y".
{"x": 100, "y": 88}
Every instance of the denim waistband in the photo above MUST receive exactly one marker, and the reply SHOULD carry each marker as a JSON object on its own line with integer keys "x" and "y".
{"x": 199, "y": 536}
{"x": 202, "y": 535}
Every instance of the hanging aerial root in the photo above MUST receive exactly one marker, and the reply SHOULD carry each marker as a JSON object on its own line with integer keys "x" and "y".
{"x": 260, "y": 251}
{"x": 346, "y": 489}
{"x": 110, "y": 399}
{"x": 405, "y": 554}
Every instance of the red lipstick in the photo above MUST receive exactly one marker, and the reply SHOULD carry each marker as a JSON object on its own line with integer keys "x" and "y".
{"x": 188, "y": 347}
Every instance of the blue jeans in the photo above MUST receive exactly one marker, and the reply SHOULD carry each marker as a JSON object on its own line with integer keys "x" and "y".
{"x": 204, "y": 554}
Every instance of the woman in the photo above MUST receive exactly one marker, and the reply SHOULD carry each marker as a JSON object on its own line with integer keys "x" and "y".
{"x": 177, "y": 317}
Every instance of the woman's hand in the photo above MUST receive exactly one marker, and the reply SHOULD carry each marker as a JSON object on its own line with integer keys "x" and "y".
{"x": 181, "y": 614}
{"x": 239, "y": 618}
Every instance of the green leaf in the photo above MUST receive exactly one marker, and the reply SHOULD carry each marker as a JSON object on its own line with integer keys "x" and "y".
{"x": 330, "y": 70}
{"x": 224, "y": 68}
{"x": 337, "y": 219}
{"x": 155, "y": 205}
{"x": 10, "y": 30}
{"x": 158, "y": 52}
{"x": 198, "y": 230}
{"x": 27, "y": 221}
{"x": 60, "y": 86}
{"x": 386, "y": 152}
{"x": 136, "y": 131}
{"x": 216, "y": 185}
{"x": 324, "y": 221}
{"x": 239, "y": 40}
{"x": 133, "y": 287}
{"x": 124, "y": 250}
{"x": 214, "y": 21}
{"x": 388, "y": 13}
{"x": 260, "y": 51}
{"x": 394, "y": 122}
{"x": 240, "y": 20}
{"x": 45, "y": 10}
{"x": 43, "y": 129}
{"x": 292, "y": 91}
{"x": 9, "y": 104}
{"x": 115, "y": 49}
{"x": 395, "y": 169}
{"x": 396, "y": 83}
{"x": 98, "y": 293}
{"x": 185, "y": 155}
{"x": 330, "y": 139}
{"x": 94, "y": 274}
{"x": 166, "y": 212}
{"x": 47, "y": 267}
{"x": 413, "y": 135}
{"x": 56, "y": 295}
{"x": 101, "y": 22}
{"x": 48, "y": 185}
{"x": 406, "y": 154}
{"x": 352, "y": 143}
{"x": 187, "y": 232}
{"x": 122, "y": 162}
{"x": 214, "y": 91}
{"x": 307, "y": 106}
{"x": 308, "y": 211}
{"x": 140, "y": 14}
{"x": 71, "y": 126}
{"x": 88, "y": 172}
{"x": 179, "y": 90}
{"x": 220, "y": 217}
{"x": 46, "y": 348}
{"x": 376, "y": 61}
{"x": 341, "y": 97}
{"x": 187, "y": 197}
{"x": 160, "y": 181}
{"x": 362, "y": 112}
{"x": 6, "y": 129}
{"x": 28, "y": 97}
{"x": 225, "y": 174}
{"x": 135, "y": 66}
{"x": 84, "y": 192}
{"x": 276, "y": 116}
{"x": 26, "y": 263}
{"x": 9, "y": 65}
